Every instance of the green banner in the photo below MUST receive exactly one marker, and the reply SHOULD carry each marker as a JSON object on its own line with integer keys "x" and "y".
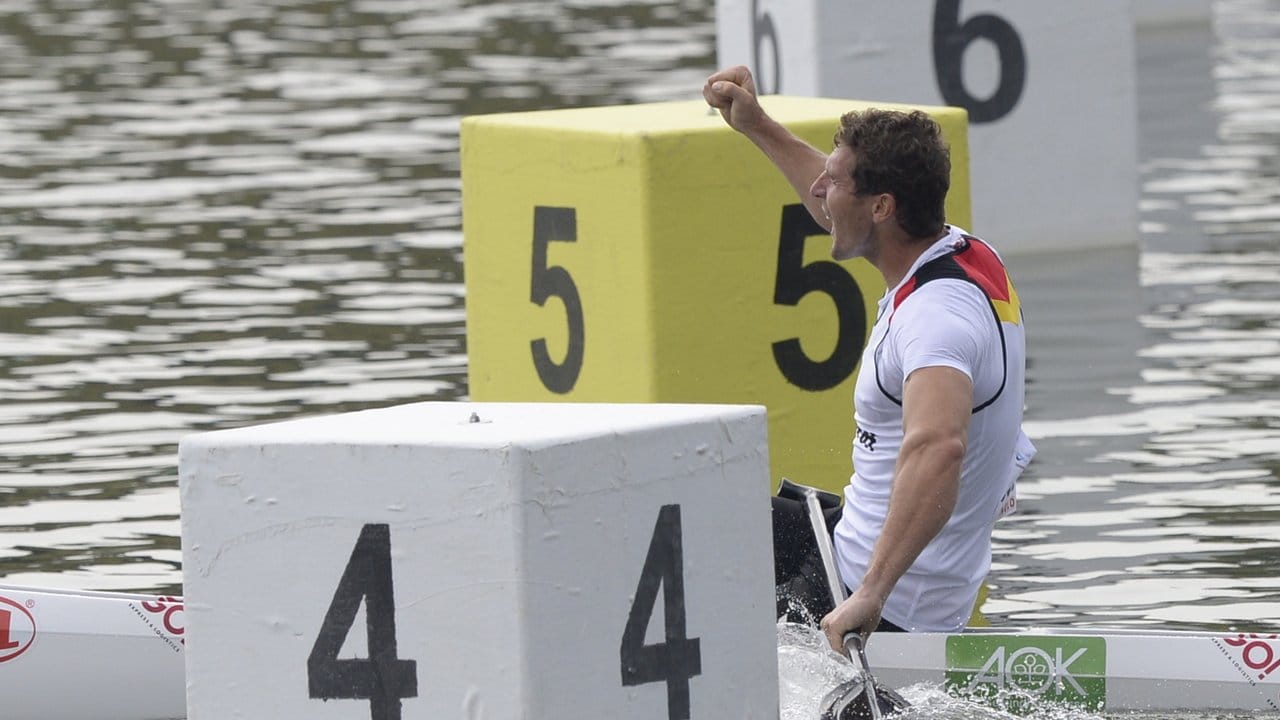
{"x": 1020, "y": 673}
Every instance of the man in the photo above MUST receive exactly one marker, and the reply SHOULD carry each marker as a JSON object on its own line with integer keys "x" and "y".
{"x": 938, "y": 400}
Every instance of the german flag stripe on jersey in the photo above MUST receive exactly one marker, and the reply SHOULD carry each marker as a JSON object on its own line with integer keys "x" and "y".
{"x": 976, "y": 262}
{"x": 970, "y": 260}
{"x": 985, "y": 269}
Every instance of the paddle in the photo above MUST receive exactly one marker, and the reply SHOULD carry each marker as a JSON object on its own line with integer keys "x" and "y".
{"x": 842, "y": 703}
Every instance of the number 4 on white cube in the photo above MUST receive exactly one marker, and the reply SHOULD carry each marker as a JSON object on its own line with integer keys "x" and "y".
{"x": 482, "y": 561}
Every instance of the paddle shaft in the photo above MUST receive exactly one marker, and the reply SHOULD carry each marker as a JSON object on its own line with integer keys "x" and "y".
{"x": 856, "y": 652}
{"x": 854, "y": 646}
{"x": 825, "y": 550}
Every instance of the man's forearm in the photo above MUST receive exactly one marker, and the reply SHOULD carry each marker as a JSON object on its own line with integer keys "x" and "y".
{"x": 926, "y": 479}
{"x": 799, "y": 162}
{"x": 925, "y": 487}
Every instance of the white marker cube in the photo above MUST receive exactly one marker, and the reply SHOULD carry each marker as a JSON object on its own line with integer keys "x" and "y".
{"x": 1050, "y": 88}
{"x": 494, "y": 561}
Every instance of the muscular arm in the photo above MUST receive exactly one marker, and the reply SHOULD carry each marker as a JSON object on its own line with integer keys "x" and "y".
{"x": 936, "y": 404}
{"x": 733, "y": 93}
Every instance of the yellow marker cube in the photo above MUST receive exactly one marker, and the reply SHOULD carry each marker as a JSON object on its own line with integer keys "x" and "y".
{"x": 649, "y": 253}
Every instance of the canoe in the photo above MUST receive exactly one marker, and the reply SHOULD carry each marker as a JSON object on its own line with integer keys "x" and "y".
{"x": 1101, "y": 670}
{"x": 83, "y": 655}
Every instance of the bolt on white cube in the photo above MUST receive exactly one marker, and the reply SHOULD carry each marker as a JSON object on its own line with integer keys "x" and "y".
{"x": 482, "y": 560}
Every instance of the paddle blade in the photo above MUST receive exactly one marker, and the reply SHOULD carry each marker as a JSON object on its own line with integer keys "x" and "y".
{"x": 849, "y": 701}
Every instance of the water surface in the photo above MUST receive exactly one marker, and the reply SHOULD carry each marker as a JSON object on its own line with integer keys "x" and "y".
{"x": 225, "y": 215}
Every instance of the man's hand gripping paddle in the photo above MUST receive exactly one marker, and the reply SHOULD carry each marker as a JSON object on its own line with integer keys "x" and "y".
{"x": 860, "y": 698}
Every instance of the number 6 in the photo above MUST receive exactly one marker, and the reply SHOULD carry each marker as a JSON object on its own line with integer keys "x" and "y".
{"x": 950, "y": 39}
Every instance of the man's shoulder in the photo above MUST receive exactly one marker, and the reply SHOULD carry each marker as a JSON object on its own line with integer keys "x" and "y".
{"x": 942, "y": 291}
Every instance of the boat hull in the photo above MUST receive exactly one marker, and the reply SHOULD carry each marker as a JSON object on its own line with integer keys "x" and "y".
{"x": 79, "y": 655}
{"x": 90, "y": 656}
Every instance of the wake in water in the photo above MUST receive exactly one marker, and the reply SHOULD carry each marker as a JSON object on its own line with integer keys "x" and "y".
{"x": 808, "y": 669}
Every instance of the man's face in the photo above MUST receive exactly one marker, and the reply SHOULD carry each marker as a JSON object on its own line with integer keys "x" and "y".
{"x": 850, "y": 213}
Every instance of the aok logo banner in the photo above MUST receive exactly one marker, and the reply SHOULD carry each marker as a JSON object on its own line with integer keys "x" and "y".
{"x": 1020, "y": 672}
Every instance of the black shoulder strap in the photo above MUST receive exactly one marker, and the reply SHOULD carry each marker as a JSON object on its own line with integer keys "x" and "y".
{"x": 946, "y": 267}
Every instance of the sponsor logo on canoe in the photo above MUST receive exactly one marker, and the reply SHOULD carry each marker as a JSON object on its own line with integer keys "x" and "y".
{"x": 1019, "y": 673}
{"x": 164, "y": 615}
{"x": 1256, "y": 657}
{"x": 1260, "y": 654}
{"x": 17, "y": 628}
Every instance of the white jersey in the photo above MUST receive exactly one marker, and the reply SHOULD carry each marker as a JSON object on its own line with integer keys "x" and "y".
{"x": 955, "y": 308}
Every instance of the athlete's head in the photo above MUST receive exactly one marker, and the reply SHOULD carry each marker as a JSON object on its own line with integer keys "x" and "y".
{"x": 902, "y": 154}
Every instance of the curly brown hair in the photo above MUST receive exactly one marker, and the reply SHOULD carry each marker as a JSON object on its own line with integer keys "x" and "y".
{"x": 902, "y": 154}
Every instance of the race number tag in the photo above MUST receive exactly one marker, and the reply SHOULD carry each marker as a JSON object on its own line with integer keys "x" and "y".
{"x": 1024, "y": 452}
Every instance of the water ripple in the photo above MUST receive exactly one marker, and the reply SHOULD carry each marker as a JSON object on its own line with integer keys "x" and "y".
{"x": 234, "y": 214}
